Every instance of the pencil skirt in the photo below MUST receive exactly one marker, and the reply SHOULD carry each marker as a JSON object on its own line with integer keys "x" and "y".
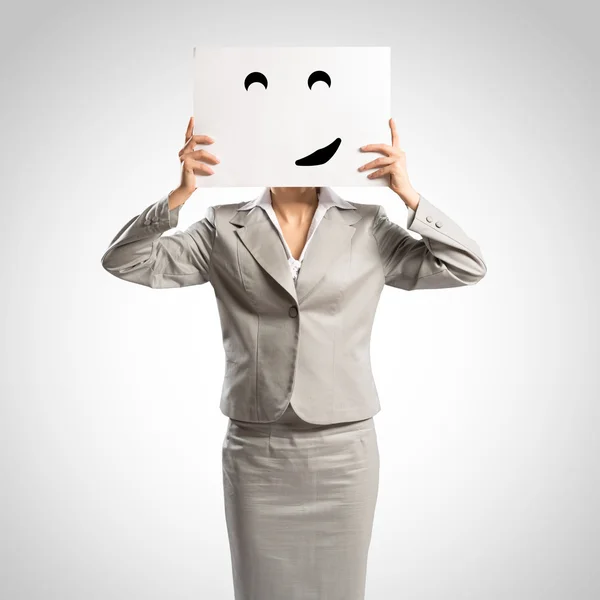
{"x": 299, "y": 505}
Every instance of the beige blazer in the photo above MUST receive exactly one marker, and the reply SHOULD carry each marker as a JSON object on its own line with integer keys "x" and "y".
{"x": 309, "y": 342}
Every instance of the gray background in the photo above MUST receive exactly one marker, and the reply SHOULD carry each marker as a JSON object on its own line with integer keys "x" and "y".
{"x": 110, "y": 428}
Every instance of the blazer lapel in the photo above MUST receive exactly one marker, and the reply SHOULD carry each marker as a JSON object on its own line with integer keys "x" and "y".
{"x": 331, "y": 238}
{"x": 258, "y": 234}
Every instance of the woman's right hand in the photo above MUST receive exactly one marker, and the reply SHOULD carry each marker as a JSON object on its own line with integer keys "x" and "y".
{"x": 193, "y": 162}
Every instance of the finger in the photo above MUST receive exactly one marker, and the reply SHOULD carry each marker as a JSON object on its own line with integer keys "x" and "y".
{"x": 378, "y": 162}
{"x": 395, "y": 136}
{"x": 201, "y": 155}
{"x": 194, "y": 141}
{"x": 197, "y": 167}
{"x": 385, "y": 148}
{"x": 190, "y": 129}
{"x": 379, "y": 173}
{"x": 200, "y": 139}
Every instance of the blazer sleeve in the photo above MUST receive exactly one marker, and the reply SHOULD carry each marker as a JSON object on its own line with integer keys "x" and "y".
{"x": 445, "y": 257}
{"x": 141, "y": 254}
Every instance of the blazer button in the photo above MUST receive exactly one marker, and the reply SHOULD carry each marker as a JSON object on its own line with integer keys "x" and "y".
{"x": 429, "y": 219}
{"x": 438, "y": 224}
{"x": 293, "y": 312}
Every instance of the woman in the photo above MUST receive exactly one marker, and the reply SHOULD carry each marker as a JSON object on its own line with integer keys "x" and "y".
{"x": 297, "y": 274}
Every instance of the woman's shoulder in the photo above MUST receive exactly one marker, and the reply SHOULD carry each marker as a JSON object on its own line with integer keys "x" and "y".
{"x": 366, "y": 210}
{"x": 221, "y": 215}
{"x": 224, "y": 212}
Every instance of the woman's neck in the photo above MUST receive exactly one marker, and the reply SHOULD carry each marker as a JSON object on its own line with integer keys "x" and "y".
{"x": 294, "y": 204}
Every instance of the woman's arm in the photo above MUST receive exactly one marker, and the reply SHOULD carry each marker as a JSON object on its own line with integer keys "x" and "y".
{"x": 445, "y": 256}
{"x": 139, "y": 253}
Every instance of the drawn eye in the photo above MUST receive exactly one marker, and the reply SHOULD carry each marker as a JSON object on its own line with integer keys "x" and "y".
{"x": 255, "y": 77}
{"x": 318, "y": 76}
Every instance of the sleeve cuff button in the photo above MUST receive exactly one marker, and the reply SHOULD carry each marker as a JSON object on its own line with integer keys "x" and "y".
{"x": 438, "y": 224}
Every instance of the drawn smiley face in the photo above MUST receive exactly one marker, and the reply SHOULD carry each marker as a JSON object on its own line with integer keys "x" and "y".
{"x": 322, "y": 155}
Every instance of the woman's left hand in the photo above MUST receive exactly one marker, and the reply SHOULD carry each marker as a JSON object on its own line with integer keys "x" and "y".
{"x": 394, "y": 165}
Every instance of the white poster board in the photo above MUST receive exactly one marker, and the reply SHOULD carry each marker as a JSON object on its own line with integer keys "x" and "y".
{"x": 287, "y": 116}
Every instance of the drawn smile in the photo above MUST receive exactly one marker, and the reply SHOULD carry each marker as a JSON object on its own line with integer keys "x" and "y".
{"x": 320, "y": 156}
